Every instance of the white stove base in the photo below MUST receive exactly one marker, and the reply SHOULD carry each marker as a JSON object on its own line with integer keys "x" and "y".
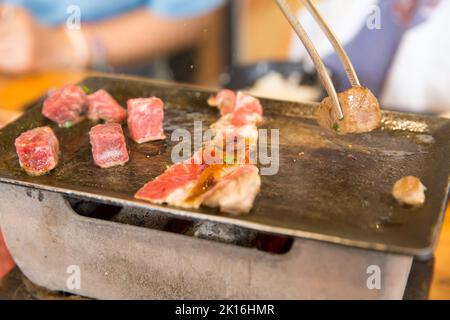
{"x": 115, "y": 261}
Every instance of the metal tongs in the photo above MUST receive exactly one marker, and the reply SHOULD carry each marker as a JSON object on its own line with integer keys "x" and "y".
{"x": 321, "y": 70}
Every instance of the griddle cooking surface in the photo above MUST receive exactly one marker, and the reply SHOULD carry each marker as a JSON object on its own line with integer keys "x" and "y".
{"x": 329, "y": 187}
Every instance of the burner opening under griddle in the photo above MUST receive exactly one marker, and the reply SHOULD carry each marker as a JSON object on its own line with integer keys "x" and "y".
{"x": 212, "y": 231}
{"x": 93, "y": 209}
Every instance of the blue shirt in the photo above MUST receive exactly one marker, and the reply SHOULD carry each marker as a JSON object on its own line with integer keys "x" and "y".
{"x": 54, "y": 12}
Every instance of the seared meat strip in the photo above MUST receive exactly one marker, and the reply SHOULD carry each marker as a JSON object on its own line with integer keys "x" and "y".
{"x": 236, "y": 191}
{"x": 220, "y": 175}
{"x": 174, "y": 185}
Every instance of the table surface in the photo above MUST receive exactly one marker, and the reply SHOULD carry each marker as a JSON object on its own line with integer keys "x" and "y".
{"x": 15, "y": 93}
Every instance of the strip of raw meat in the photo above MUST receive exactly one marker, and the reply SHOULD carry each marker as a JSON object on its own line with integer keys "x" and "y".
{"x": 108, "y": 145}
{"x": 145, "y": 119}
{"x": 220, "y": 174}
{"x": 104, "y": 107}
{"x": 173, "y": 186}
{"x": 247, "y": 111}
{"x": 225, "y": 100}
{"x": 235, "y": 189}
{"x": 66, "y": 106}
{"x": 38, "y": 151}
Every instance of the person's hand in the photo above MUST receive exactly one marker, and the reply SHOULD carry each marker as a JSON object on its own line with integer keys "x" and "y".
{"x": 27, "y": 46}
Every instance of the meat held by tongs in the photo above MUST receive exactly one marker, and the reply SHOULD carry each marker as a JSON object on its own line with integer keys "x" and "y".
{"x": 354, "y": 111}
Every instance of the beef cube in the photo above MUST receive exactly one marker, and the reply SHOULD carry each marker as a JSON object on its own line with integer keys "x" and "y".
{"x": 108, "y": 145}
{"x": 103, "y": 107}
{"x": 361, "y": 110}
{"x": 38, "y": 151}
{"x": 66, "y": 106}
{"x": 145, "y": 119}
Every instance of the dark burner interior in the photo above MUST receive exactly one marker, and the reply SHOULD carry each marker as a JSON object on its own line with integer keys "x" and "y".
{"x": 212, "y": 231}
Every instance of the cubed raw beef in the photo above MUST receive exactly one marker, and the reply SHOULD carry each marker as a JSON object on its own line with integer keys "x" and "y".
{"x": 145, "y": 119}
{"x": 66, "y": 106}
{"x": 108, "y": 145}
{"x": 38, "y": 151}
{"x": 103, "y": 107}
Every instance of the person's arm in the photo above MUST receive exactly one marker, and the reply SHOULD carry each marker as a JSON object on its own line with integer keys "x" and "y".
{"x": 27, "y": 46}
{"x": 140, "y": 34}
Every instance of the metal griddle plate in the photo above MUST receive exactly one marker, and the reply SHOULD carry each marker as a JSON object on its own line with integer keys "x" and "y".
{"x": 329, "y": 187}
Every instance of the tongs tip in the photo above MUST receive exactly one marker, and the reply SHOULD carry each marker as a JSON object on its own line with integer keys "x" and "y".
{"x": 321, "y": 69}
{"x": 337, "y": 106}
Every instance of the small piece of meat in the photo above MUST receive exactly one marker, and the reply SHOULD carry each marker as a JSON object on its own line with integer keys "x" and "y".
{"x": 410, "y": 191}
{"x": 38, "y": 151}
{"x": 361, "y": 112}
{"x": 225, "y": 100}
{"x": 173, "y": 186}
{"x": 233, "y": 145}
{"x": 248, "y": 103}
{"x": 247, "y": 111}
{"x": 66, "y": 106}
{"x": 235, "y": 192}
{"x": 109, "y": 148}
{"x": 145, "y": 119}
{"x": 104, "y": 107}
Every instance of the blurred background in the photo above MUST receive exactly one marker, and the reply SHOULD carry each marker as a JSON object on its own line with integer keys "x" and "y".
{"x": 399, "y": 49}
